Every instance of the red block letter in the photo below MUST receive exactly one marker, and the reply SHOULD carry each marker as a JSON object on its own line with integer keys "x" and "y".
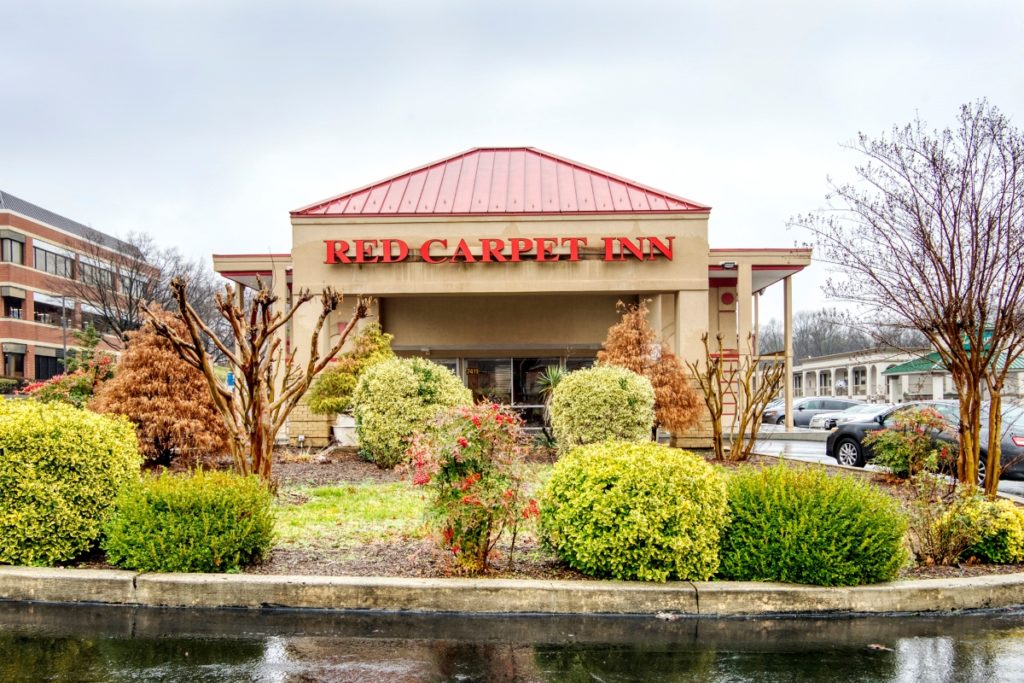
{"x": 574, "y": 246}
{"x": 519, "y": 245}
{"x": 389, "y": 256}
{"x": 336, "y": 251}
{"x": 364, "y": 251}
{"x": 544, "y": 247}
{"x": 491, "y": 251}
{"x": 425, "y": 251}
{"x": 666, "y": 251}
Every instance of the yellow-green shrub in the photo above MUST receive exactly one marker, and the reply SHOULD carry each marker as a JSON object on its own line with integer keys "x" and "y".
{"x": 397, "y": 398}
{"x": 599, "y": 404}
{"x": 634, "y": 511}
{"x": 801, "y": 525}
{"x": 332, "y": 391}
{"x": 1001, "y": 538}
{"x": 60, "y": 469}
{"x": 201, "y": 522}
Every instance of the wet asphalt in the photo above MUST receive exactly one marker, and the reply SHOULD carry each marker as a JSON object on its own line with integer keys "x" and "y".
{"x": 814, "y": 451}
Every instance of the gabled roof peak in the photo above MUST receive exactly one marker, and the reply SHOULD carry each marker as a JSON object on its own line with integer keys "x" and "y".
{"x": 501, "y": 181}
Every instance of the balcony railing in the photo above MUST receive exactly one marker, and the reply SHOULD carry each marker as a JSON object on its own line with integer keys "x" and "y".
{"x": 45, "y": 318}
{"x": 14, "y": 313}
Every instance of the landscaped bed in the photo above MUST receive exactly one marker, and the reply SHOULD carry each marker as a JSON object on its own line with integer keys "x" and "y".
{"x": 340, "y": 515}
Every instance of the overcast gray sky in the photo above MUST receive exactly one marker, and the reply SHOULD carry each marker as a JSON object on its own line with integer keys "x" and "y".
{"x": 204, "y": 122}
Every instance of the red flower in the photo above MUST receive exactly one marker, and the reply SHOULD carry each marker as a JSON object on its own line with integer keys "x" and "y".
{"x": 531, "y": 509}
{"x": 462, "y": 441}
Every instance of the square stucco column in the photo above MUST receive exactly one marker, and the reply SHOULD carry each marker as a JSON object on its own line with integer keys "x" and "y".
{"x": 787, "y": 327}
{"x": 692, "y": 316}
{"x": 744, "y": 318}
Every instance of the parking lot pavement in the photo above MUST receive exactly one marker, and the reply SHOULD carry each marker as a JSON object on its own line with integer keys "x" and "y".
{"x": 810, "y": 451}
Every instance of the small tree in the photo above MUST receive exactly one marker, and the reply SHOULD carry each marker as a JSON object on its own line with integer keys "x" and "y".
{"x": 633, "y": 345}
{"x": 332, "y": 391}
{"x": 269, "y": 384}
{"x": 752, "y": 382}
{"x": 165, "y": 397}
{"x": 931, "y": 237}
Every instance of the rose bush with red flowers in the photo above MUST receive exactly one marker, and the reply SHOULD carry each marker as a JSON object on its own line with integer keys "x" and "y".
{"x": 472, "y": 458}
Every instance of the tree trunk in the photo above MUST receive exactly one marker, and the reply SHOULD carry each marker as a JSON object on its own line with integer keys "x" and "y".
{"x": 995, "y": 437}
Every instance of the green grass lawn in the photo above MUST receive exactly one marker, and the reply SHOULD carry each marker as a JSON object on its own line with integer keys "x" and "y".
{"x": 351, "y": 515}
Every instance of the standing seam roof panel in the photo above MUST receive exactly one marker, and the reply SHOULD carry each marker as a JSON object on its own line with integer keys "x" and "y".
{"x": 500, "y": 181}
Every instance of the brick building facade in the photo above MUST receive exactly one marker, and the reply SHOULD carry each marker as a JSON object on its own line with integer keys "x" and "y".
{"x": 41, "y": 256}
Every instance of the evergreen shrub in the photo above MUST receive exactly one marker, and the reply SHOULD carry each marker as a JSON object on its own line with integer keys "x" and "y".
{"x": 332, "y": 391}
{"x": 600, "y": 404}
{"x": 397, "y": 398}
{"x": 1001, "y": 537}
{"x": 60, "y": 470}
{"x": 800, "y": 525}
{"x": 201, "y": 522}
{"x": 634, "y": 511}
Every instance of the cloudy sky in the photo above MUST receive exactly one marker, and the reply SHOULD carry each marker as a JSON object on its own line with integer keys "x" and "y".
{"x": 204, "y": 122}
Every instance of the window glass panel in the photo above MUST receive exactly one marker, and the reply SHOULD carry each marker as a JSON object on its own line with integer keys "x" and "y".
{"x": 490, "y": 379}
{"x": 527, "y": 371}
{"x": 572, "y": 364}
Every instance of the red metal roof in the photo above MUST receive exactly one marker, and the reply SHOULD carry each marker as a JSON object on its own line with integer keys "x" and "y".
{"x": 501, "y": 181}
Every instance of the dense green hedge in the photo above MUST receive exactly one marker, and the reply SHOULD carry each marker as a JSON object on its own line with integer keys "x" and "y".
{"x": 801, "y": 525}
{"x": 203, "y": 522}
{"x": 634, "y": 511}
{"x": 396, "y": 398}
{"x": 599, "y": 404}
{"x": 60, "y": 469}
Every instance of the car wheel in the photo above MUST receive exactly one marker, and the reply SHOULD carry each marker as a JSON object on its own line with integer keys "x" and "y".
{"x": 849, "y": 453}
{"x": 781, "y": 420}
{"x": 981, "y": 470}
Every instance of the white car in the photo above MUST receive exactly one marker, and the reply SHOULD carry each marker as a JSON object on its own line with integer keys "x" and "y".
{"x": 865, "y": 411}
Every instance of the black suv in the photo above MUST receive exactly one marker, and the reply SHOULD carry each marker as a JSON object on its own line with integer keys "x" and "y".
{"x": 845, "y": 443}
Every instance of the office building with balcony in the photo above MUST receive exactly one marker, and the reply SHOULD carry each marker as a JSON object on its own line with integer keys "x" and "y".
{"x": 42, "y": 256}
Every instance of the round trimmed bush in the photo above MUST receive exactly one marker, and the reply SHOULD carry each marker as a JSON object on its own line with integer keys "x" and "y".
{"x": 1001, "y": 532}
{"x": 60, "y": 469}
{"x": 201, "y": 522}
{"x": 397, "y": 398}
{"x": 634, "y": 511}
{"x": 800, "y": 525}
{"x": 600, "y": 404}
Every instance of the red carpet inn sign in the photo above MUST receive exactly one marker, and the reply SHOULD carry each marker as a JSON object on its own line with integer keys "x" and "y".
{"x": 487, "y": 250}
{"x": 498, "y": 262}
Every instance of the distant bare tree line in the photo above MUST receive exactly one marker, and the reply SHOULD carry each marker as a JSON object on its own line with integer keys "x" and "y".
{"x": 830, "y": 330}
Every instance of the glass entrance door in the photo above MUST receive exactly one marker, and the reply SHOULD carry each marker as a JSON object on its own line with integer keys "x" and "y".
{"x": 512, "y": 381}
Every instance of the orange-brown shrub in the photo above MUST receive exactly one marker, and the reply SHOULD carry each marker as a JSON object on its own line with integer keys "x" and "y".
{"x": 633, "y": 345}
{"x": 164, "y": 397}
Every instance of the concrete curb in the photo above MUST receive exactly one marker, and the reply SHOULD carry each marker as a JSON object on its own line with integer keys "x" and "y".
{"x": 507, "y": 596}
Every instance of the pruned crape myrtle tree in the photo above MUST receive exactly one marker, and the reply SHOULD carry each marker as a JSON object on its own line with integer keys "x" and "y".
{"x": 930, "y": 236}
{"x": 750, "y": 382}
{"x": 633, "y": 345}
{"x": 269, "y": 383}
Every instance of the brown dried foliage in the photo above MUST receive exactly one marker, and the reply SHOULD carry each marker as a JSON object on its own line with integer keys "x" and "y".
{"x": 269, "y": 383}
{"x": 633, "y": 345}
{"x": 165, "y": 397}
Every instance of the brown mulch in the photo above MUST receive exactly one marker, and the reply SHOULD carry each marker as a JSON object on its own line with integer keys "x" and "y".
{"x": 409, "y": 558}
{"x": 339, "y": 466}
